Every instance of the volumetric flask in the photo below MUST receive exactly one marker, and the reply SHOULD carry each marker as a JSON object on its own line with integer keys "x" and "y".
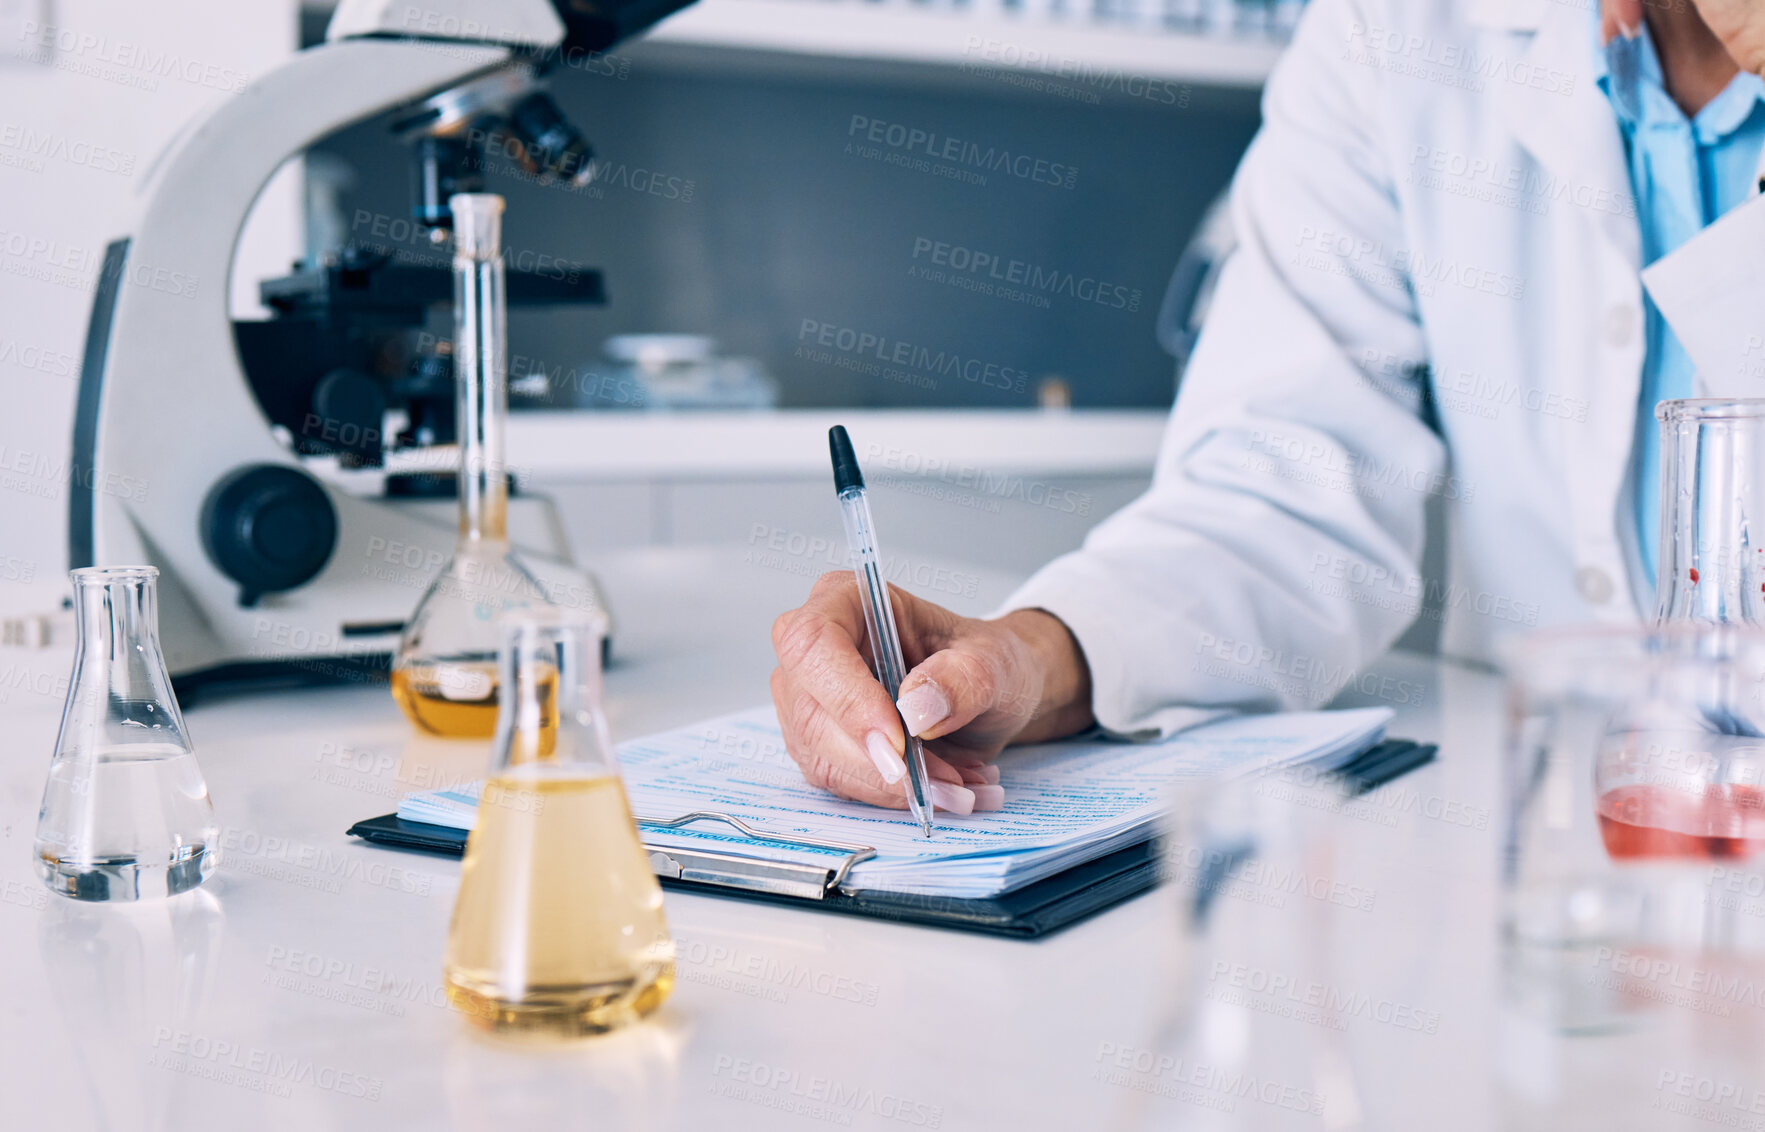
{"x": 558, "y": 927}
{"x": 444, "y": 674}
{"x": 126, "y": 814}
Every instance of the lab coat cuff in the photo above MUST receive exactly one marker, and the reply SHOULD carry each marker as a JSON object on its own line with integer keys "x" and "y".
{"x": 1112, "y": 690}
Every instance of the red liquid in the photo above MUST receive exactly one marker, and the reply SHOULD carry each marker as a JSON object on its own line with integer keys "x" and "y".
{"x": 1725, "y": 821}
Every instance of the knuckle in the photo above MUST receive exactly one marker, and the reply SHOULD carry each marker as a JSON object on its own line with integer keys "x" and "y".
{"x": 781, "y": 626}
{"x": 795, "y": 641}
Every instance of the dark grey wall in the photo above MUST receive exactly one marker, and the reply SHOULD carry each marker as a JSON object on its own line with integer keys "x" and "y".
{"x": 742, "y": 204}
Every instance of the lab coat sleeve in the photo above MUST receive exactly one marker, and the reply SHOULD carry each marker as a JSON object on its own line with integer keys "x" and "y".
{"x": 1712, "y": 293}
{"x": 1276, "y": 551}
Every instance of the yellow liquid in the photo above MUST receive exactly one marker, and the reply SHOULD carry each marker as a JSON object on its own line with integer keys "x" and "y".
{"x": 459, "y": 701}
{"x": 558, "y": 927}
{"x": 455, "y": 700}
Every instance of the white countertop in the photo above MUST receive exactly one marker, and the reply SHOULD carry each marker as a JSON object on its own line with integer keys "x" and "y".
{"x": 319, "y": 956}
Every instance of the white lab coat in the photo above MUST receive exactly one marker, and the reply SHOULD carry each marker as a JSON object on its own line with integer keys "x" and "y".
{"x": 1436, "y": 293}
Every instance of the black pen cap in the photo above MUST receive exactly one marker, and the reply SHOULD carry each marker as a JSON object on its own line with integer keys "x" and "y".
{"x": 846, "y": 475}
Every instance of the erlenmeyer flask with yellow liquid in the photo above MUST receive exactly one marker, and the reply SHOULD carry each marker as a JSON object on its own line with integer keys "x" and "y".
{"x": 558, "y": 927}
{"x": 444, "y": 674}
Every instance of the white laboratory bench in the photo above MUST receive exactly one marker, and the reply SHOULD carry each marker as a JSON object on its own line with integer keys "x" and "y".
{"x": 299, "y": 989}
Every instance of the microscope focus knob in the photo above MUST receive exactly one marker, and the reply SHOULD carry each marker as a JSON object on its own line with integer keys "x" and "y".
{"x": 268, "y": 527}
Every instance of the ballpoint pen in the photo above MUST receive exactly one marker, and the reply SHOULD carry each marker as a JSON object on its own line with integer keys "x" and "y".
{"x": 879, "y": 615}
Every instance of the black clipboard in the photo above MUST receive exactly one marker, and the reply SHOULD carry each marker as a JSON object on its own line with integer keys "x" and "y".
{"x": 1029, "y": 912}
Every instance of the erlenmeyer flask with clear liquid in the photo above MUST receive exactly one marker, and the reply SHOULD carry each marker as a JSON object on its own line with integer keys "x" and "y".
{"x": 444, "y": 674}
{"x": 558, "y": 927}
{"x": 1711, "y": 565}
{"x": 126, "y": 813}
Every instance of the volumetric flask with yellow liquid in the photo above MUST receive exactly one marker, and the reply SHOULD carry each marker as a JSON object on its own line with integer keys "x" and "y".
{"x": 558, "y": 928}
{"x": 444, "y": 674}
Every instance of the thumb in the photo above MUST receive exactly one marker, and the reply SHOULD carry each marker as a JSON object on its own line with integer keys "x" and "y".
{"x": 950, "y": 688}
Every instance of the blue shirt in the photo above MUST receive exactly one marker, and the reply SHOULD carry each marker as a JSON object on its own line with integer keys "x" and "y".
{"x": 1685, "y": 173}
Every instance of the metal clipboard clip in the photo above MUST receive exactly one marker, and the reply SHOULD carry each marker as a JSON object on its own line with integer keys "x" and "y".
{"x": 756, "y": 874}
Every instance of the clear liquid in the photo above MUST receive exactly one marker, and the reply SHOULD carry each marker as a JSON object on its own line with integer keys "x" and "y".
{"x": 558, "y": 928}
{"x": 126, "y": 823}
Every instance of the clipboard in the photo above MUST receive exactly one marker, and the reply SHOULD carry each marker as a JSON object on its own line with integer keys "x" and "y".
{"x": 1029, "y": 912}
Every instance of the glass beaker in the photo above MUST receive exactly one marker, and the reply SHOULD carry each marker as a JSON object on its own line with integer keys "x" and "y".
{"x": 558, "y": 927}
{"x": 1633, "y": 884}
{"x": 126, "y": 814}
{"x": 444, "y": 673}
{"x": 1712, "y": 473}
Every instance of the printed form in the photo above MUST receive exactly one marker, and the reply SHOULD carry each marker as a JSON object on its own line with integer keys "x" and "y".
{"x": 1065, "y": 802}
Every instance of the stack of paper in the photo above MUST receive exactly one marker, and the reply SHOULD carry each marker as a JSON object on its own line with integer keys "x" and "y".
{"x": 1065, "y": 803}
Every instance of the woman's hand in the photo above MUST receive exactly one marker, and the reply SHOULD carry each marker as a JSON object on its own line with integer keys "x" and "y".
{"x": 973, "y": 687}
{"x": 1738, "y": 24}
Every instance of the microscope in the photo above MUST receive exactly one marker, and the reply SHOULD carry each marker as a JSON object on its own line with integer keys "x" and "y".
{"x": 196, "y": 438}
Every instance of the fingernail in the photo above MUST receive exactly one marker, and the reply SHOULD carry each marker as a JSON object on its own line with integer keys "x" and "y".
{"x": 948, "y": 796}
{"x": 989, "y": 773}
{"x": 882, "y": 753}
{"x": 988, "y": 798}
{"x": 923, "y": 707}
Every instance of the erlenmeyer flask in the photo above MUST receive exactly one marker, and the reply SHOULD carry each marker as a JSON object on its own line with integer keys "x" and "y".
{"x": 1711, "y": 562}
{"x": 558, "y": 926}
{"x": 444, "y": 675}
{"x": 126, "y": 814}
